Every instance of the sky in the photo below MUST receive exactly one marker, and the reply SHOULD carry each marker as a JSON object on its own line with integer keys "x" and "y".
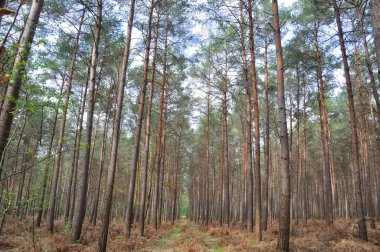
{"x": 286, "y": 2}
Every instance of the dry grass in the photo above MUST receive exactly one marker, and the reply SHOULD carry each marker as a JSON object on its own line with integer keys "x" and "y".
{"x": 313, "y": 236}
{"x": 18, "y": 236}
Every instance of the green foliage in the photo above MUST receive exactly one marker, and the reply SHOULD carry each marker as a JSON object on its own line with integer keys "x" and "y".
{"x": 219, "y": 249}
{"x": 184, "y": 205}
{"x": 255, "y": 242}
{"x": 68, "y": 227}
{"x": 7, "y": 202}
{"x": 176, "y": 230}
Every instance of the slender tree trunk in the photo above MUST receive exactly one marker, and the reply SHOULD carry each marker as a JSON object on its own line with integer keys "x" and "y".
{"x": 23, "y": 170}
{"x": 95, "y": 207}
{"x": 221, "y": 173}
{"x": 81, "y": 199}
{"x": 47, "y": 166}
{"x": 304, "y": 175}
{"x": 58, "y": 163}
{"x": 345, "y": 181}
{"x": 375, "y": 17}
{"x": 18, "y": 71}
{"x": 248, "y": 123}
{"x": 226, "y": 172}
{"x": 115, "y": 134}
{"x": 284, "y": 220}
{"x": 147, "y": 131}
{"x": 160, "y": 136}
{"x": 267, "y": 139}
{"x": 213, "y": 195}
{"x": 177, "y": 170}
{"x": 5, "y": 39}
{"x": 207, "y": 156}
{"x": 365, "y": 135}
{"x": 71, "y": 192}
{"x": 353, "y": 126}
{"x": 163, "y": 155}
{"x": 298, "y": 147}
{"x": 132, "y": 182}
{"x": 256, "y": 118}
{"x": 328, "y": 209}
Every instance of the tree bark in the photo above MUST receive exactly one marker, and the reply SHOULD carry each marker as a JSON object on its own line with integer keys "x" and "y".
{"x": 375, "y": 17}
{"x": 226, "y": 172}
{"x": 46, "y": 170}
{"x": 256, "y": 119}
{"x": 81, "y": 199}
{"x": 58, "y": 163}
{"x": 328, "y": 209}
{"x": 267, "y": 139}
{"x": 298, "y": 146}
{"x": 102, "y": 244}
{"x": 95, "y": 207}
{"x": 353, "y": 126}
{"x": 365, "y": 135}
{"x": 207, "y": 156}
{"x": 140, "y": 117}
{"x": 18, "y": 71}
{"x": 160, "y": 135}
{"x": 71, "y": 192}
{"x": 284, "y": 221}
{"x": 147, "y": 130}
{"x": 177, "y": 170}
{"x": 248, "y": 121}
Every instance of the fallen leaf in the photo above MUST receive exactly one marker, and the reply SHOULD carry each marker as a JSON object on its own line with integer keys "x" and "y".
{"x": 4, "y": 78}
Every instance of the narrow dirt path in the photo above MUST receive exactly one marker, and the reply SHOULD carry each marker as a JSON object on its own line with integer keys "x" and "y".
{"x": 186, "y": 236}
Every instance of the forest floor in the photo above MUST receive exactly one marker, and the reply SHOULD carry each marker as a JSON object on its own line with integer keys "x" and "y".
{"x": 188, "y": 236}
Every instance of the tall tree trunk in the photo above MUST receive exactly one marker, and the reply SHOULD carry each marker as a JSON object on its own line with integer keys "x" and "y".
{"x": 58, "y": 163}
{"x": 102, "y": 244}
{"x": 353, "y": 126}
{"x": 18, "y": 71}
{"x": 304, "y": 171}
{"x": 226, "y": 172}
{"x": 328, "y": 205}
{"x": 147, "y": 130}
{"x": 298, "y": 146}
{"x": 375, "y": 17}
{"x": 47, "y": 166}
{"x": 71, "y": 192}
{"x": 23, "y": 169}
{"x": 81, "y": 199}
{"x": 163, "y": 155}
{"x": 267, "y": 138}
{"x": 207, "y": 156}
{"x": 345, "y": 181}
{"x": 365, "y": 135}
{"x": 221, "y": 173}
{"x": 177, "y": 170}
{"x": 94, "y": 214}
{"x": 284, "y": 221}
{"x": 140, "y": 117}
{"x": 256, "y": 118}
{"x": 248, "y": 121}
{"x": 160, "y": 135}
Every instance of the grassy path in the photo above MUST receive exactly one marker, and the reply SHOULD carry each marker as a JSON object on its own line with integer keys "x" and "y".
{"x": 187, "y": 236}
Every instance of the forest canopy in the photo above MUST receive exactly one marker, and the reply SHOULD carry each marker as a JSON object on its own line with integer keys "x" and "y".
{"x": 205, "y": 125}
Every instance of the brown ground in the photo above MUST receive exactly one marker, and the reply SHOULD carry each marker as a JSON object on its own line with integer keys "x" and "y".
{"x": 187, "y": 236}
